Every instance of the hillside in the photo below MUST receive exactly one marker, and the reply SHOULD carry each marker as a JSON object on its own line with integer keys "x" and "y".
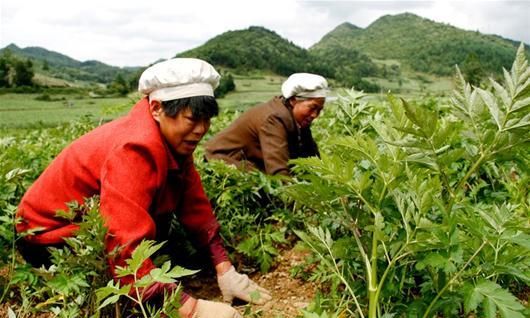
{"x": 256, "y": 48}
{"x": 421, "y": 44}
{"x": 51, "y": 64}
{"x": 347, "y": 64}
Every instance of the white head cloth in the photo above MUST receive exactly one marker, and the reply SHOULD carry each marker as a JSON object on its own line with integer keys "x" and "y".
{"x": 178, "y": 78}
{"x": 305, "y": 85}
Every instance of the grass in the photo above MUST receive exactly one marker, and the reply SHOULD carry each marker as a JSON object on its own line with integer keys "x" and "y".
{"x": 251, "y": 91}
{"x": 23, "y": 110}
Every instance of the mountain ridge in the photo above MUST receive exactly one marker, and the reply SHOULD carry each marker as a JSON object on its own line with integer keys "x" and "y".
{"x": 422, "y": 44}
{"x": 348, "y": 53}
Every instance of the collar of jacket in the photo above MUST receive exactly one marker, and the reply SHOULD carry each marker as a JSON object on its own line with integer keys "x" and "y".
{"x": 287, "y": 105}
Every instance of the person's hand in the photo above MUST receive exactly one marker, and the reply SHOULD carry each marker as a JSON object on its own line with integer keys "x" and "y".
{"x": 235, "y": 285}
{"x": 211, "y": 309}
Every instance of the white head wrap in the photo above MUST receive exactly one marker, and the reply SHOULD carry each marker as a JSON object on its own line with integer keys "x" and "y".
{"x": 178, "y": 78}
{"x": 305, "y": 85}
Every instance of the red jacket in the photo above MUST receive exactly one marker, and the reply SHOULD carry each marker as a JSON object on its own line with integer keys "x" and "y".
{"x": 128, "y": 163}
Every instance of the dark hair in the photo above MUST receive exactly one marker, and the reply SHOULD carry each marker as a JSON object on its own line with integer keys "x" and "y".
{"x": 202, "y": 107}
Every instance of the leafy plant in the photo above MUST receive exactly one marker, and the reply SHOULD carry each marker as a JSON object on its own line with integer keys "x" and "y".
{"x": 111, "y": 293}
{"x": 65, "y": 287}
{"x": 428, "y": 198}
{"x": 253, "y": 217}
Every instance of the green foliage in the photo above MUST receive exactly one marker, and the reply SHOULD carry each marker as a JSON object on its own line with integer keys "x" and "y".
{"x": 417, "y": 208}
{"x": 61, "y": 66}
{"x": 4, "y": 71}
{"x": 420, "y": 44}
{"x": 119, "y": 86}
{"x": 492, "y": 297}
{"x": 347, "y": 65}
{"x": 226, "y": 85}
{"x": 111, "y": 293}
{"x": 260, "y": 246}
{"x": 15, "y": 72}
{"x": 268, "y": 52}
{"x": 23, "y": 73}
{"x": 66, "y": 287}
{"x": 472, "y": 69}
{"x": 426, "y": 195}
{"x": 253, "y": 217}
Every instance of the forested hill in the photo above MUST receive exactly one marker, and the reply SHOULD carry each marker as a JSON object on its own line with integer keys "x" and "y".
{"x": 256, "y": 48}
{"x": 63, "y": 67}
{"x": 347, "y": 64}
{"x": 421, "y": 44}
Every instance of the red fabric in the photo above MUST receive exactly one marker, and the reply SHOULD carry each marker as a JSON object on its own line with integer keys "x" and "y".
{"x": 217, "y": 251}
{"x": 128, "y": 163}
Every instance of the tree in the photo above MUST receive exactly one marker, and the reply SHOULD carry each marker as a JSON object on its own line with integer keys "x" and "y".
{"x": 119, "y": 85}
{"x": 4, "y": 72}
{"x": 472, "y": 69}
{"x": 23, "y": 73}
{"x": 225, "y": 85}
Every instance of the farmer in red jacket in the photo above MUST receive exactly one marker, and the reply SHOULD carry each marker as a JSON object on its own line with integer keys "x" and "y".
{"x": 142, "y": 168}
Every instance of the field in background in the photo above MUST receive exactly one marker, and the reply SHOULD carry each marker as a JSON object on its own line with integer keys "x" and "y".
{"x": 25, "y": 111}
{"x": 30, "y": 110}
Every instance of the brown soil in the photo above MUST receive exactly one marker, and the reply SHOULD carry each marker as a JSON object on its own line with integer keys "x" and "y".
{"x": 289, "y": 294}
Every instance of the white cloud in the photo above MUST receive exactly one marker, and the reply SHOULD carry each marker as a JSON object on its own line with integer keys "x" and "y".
{"x": 141, "y": 32}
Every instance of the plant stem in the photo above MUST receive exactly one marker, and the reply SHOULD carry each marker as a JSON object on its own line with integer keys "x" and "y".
{"x": 343, "y": 279}
{"x": 372, "y": 280}
{"x": 471, "y": 170}
{"x": 363, "y": 254}
{"x": 453, "y": 279}
{"x": 139, "y": 298}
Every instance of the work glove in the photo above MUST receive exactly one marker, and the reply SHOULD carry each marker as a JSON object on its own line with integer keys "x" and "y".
{"x": 211, "y": 309}
{"x": 235, "y": 285}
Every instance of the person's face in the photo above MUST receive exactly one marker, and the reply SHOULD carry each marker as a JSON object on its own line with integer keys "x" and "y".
{"x": 306, "y": 110}
{"x": 182, "y": 132}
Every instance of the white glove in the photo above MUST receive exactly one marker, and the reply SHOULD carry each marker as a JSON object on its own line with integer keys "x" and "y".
{"x": 211, "y": 309}
{"x": 233, "y": 284}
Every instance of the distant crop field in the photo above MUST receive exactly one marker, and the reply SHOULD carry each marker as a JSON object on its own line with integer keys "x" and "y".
{"x": 27, "y": 111}
{"x": 23, "y": 110}
{"x": 251, "y": 91}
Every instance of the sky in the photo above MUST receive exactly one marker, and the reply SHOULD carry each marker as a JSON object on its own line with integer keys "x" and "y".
{"x": 137, "y": 33}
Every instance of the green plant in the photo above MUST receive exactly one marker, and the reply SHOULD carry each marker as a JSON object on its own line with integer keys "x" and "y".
{"x": 253, "y": 217}
{"x": 428, "y": 198}
{"x": 111, "y": 293}
{"x": 64, "y": 288}
{"x": 260, "y": 245}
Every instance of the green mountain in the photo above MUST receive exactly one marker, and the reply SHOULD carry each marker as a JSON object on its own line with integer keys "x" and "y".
{"x": 393, "y": 50}
{"x": 420, "y": 44}
{"x": 348, "y": 65}
{"x": 256, "y": 48}
{"x": 56, "y": 65}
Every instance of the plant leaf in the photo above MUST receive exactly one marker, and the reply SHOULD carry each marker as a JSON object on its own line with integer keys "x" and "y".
{"x": 490, "y": 102}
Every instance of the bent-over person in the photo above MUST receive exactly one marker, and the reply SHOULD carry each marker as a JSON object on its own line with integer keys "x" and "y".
{"x": 141, "y": 166}
{"x": 268, "y": 135}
